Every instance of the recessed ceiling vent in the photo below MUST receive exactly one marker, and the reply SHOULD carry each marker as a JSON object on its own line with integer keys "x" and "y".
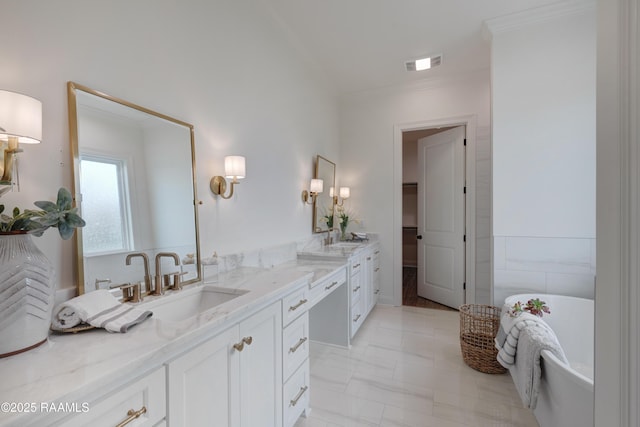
{"x": 423, "y": 63}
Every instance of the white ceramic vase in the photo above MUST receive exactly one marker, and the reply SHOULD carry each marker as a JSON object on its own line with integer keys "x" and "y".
{"x": 26, "y": 294}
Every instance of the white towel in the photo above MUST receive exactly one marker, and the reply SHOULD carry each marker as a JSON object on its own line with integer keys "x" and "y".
{"x": 98, "y": 308}
{"x": 527, "y": 372}
{"x": 520, "y": 342}
{"x": 507, "y": 338}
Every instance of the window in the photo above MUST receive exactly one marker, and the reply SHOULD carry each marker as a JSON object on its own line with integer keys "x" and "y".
{"x": 105, "y": 206}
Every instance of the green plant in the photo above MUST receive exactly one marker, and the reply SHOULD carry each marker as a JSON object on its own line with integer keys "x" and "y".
{"x": 61, "y": 215}
{"x": 533, "y": 306}
{"x": 327, "y": 218}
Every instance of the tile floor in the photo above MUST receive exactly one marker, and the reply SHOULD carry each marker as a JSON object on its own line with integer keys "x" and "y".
{"x": 405, "y": 369}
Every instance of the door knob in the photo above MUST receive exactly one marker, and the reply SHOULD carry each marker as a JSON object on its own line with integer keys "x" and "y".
{"x": 419, "y": 237}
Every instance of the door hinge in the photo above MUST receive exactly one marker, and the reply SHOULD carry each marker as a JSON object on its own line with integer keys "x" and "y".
{"x": 464, "y": 286}
{"x": 465, "y": 189}
{"x": 464, "y": 238}
{"x": 465, "y": 142}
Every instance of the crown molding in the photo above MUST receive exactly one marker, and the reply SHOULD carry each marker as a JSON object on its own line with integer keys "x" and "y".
{"x": 538, "y": 15}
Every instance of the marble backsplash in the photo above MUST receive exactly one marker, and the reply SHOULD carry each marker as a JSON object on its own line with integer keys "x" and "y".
{"x": 564, "y": 266}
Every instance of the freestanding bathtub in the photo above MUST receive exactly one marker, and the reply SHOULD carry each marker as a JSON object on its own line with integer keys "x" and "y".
{"x": 566, "y": 391}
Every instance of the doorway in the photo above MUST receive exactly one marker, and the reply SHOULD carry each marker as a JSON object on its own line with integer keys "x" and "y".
{"x": 428, "y": 170}
{"x": 405, "y": 222}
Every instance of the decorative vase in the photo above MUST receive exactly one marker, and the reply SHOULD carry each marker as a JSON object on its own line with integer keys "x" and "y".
{"x": 26, "y": 294}
{"x": 343, "y": 231}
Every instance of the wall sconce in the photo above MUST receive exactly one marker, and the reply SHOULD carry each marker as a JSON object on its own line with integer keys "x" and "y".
{"x": 20, "y": 122}
{"x": 234, "y": 168}
{"x": 315, "y": 188}
{"x": 345, "y": 193}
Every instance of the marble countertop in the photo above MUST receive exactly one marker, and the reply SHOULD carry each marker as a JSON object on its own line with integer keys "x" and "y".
{"x": 81, "y": 367}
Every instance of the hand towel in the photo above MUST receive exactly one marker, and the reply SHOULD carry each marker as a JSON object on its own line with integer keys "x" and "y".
{"x": 100, "y": 309}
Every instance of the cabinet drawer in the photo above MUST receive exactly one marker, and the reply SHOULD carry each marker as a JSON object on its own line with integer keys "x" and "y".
{"x": 357, "y": 316}
{"x": 355, "y": 291}
{"x": 146, "y": 397}
{"x": 296, "y": 395}
{"x": 295, "y": 345}
{"x": 356, "y": 266}
{"x": 295, "y": 304}
{"x": 324, "y": 287}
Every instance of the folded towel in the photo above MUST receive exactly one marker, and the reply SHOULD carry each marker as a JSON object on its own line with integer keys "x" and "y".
{"x": 97, "y": 308}
{"x": 507, "y": 337}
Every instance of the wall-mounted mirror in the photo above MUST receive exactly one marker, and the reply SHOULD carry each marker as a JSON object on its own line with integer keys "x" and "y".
{"x": 134, "y": 184}
{"x": 323, "y": 204}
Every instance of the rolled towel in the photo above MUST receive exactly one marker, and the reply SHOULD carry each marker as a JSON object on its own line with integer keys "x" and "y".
{"x": 98, "y": 308}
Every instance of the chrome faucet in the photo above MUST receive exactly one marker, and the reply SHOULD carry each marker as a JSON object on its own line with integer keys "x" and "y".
{"x": 159, "y": 287}
{"x": 147, "y": 276}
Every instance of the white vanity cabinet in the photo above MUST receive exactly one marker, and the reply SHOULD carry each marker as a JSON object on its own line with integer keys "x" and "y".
{"x": 140, "y": 403}
{"x": 364, "y": 284}
{"x": 233, "y": 379}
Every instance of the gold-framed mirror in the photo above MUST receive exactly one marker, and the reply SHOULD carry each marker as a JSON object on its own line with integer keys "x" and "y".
{"x": 134, "y": 184}
{"x": 323, "y": 205}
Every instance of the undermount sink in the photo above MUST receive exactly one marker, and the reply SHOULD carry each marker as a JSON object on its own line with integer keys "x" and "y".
{"x": 180, "y": 305}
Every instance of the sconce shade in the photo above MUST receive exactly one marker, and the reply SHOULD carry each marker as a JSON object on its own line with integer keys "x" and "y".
{"x": 331, "y": 191}
{"x": 316, "y": 186}
{"x": 21, "y": 117}
{"x": 345, "y": 192}
{"x": 234, "y": 167}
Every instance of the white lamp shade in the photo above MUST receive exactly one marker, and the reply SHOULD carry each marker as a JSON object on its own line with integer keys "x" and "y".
{"x": 234, "y": 167}
{"x": 21, "y": 117}
{"x": 345, "y": 192}
{"x": 331, "y": 192}
{"x": 316, "y": 186}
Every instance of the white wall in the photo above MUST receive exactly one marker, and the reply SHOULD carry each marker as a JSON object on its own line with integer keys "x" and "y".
{"x": 543, "y": 110}
{"x": 367, "y": 158}
{"x": 222, "y": 65}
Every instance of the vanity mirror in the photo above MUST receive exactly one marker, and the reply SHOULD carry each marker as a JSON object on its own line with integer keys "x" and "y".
{"x": 134, "y": 184}
{"x": 323, "y": 203}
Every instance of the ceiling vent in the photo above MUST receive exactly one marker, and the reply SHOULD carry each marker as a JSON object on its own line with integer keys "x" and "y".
{"x": 423, "y": 63}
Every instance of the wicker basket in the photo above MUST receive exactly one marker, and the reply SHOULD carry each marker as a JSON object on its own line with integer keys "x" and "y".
{"x": 478, "y": 327}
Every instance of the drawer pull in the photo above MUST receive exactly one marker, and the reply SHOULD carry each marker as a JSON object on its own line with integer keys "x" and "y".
{"x": 356, "y": 289}
{"x": 247, "y": 340}
{"x": 377, "y": 269}
{"x": 326, "y": 288}
{"x": 368, "y": 258}
{"x": 356, "y": 266}
{"x": 294, "y": 401}
{"x": 298, "y": 344}
{"x": 132, "y": 415}
{"x": 376, "y": 252}
{"x": 377, "y": 291}
{"x": 295, "y": 307}
{"x": 356, "y": 318}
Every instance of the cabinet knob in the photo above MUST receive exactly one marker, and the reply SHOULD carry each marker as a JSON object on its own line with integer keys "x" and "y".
{"x": 419, "y": 237}
{"x": 240, "y": 346}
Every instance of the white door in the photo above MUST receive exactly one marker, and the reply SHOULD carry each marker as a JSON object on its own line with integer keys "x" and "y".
{"x": 441, "y": 221}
